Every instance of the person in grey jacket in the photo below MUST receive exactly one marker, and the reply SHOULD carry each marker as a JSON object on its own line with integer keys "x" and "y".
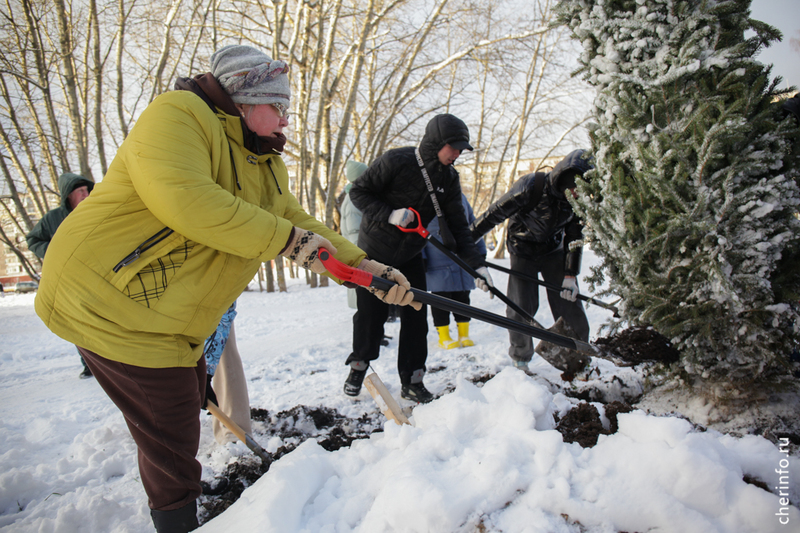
{"x": 73, "y": 189}
{"x": 544, "y": 237}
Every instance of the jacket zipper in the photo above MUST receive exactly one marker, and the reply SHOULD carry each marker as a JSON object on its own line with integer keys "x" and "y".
{"x": 146, "y": 245}
{"x": 233, "y": 164}
{"x": 269, "y": 164}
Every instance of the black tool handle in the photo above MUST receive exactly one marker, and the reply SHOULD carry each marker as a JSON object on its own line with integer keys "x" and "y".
{"x": 551, "y": 287}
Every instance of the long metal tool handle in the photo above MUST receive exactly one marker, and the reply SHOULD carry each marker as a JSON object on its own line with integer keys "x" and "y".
{"x": 365, "y": 279}
{"x": 423, "y": 232}
{"x": 552, "y": 287}
{"x": 239, "y": 432}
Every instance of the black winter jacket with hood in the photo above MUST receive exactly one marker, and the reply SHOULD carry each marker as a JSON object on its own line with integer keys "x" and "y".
{"x": 394, "y": 181}
{"x": 538, "y": 228}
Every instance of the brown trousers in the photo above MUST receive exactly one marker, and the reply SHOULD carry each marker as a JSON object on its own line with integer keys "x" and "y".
{"x": 162, "y": 409}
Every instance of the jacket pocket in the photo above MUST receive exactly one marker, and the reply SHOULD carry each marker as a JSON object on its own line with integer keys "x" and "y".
{"x": 140, "y": 258}
{"x": 149, "y": 283}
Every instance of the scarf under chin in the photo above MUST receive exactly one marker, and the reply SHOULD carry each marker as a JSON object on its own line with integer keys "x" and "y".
{"x": 268, "y": 144}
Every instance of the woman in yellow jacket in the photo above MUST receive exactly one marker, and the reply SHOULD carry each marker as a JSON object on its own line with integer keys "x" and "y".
{"x": 140, "y": 273}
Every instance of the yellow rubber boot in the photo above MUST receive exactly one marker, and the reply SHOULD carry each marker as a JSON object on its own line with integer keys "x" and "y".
{"x": 463, "y": 334}
{"x": 444, "y": 338}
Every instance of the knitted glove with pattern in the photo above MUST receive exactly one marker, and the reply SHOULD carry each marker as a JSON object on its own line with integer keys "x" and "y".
{"x": 303, "y": 248}
{"x": 397, "y": 295}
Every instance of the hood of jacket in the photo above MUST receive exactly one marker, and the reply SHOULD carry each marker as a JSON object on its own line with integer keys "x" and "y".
{"x": 68, "y": 182}
{"x": 442, "y": 129}
{"x": 574, "y": 164}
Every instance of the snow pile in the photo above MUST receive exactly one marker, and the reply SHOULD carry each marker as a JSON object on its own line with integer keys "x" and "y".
{"x": 491, "y": 456}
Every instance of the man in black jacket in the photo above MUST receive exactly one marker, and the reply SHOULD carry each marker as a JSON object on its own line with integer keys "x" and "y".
{"x": 393, "y": 183}
{"x": 544, "y": 236}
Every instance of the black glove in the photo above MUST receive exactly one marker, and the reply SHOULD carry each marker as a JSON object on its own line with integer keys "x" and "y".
{"x": 210, "y": 396}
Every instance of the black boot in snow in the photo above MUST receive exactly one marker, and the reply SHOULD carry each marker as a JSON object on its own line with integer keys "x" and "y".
{"x": 176, "y": 521}
{"x": 416, "y": 392}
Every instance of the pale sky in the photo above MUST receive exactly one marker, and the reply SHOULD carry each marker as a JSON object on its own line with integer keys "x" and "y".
{"x": 785, "y": 56}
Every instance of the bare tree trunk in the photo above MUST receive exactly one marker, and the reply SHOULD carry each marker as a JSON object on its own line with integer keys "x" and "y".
{"x": 355, "y": 80}
{"x": 98, "y": 89}
{"x": 280, "y": 273}
{"x": 13, "y": 246}
{"x": 500, "y": 250}
{"x": 123, "y": 17}
{"x": 158, "y": 83}
{"x": 323, "y": 110}
{"x": 39, "y": 199}
{"x": 268, "y": 275}
{"x": 55, "y": 140}
{"x": 14, "y": 196}
{"x": 69, "y": 79}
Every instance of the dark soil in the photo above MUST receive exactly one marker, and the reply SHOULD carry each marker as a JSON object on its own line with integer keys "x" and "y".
{"x": 582, "y": 423}
{"x": 638, "y": 345}
{"x": 331, "y": 430}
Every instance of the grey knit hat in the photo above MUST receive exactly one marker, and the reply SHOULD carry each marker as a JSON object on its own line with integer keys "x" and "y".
{"x": 250, "y": 76}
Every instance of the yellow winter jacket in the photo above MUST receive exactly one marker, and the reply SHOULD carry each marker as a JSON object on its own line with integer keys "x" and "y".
{"x": 203, "y": 213}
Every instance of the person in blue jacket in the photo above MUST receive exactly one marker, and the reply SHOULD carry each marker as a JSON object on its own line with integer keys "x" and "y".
{"x": 224, "y": 366}
{"x": 445, "y": 278}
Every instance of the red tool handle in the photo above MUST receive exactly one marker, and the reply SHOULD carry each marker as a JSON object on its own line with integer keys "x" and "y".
{"x": 419, "y": 227}
{"x": 344, "y": 272}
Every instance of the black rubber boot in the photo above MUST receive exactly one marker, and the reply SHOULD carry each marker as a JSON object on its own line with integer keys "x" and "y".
{"x": 176, "y": 521}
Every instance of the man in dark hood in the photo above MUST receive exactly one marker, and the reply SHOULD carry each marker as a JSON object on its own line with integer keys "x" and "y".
{"x": 544, "y": 237}
{"x": 393, "y": 183}
{"x": 73, "y": 189}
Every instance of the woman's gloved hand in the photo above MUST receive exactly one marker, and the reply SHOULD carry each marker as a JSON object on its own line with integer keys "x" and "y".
{"x": 303, "y": 248}
{"x": 397, "y": 295}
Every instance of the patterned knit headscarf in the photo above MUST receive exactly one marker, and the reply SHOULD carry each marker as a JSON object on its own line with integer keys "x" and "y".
{"x": 250, "y": 76}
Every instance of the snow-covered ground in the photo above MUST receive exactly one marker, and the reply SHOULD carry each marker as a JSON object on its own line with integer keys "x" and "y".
{"x": 483, "y": 458}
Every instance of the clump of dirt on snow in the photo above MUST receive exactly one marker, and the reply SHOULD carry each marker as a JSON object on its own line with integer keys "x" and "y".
{"x": 582, "y": 423}
{"x": 639, "y": 344}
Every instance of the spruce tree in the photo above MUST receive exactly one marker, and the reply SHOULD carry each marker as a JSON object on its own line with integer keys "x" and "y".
{"x": 692, "y": 204}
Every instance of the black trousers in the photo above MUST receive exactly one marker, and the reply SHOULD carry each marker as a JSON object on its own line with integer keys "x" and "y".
{"x": 412, "y": 351}
{"x": 526, "y": 294}
{"x": 441, "y": 317}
